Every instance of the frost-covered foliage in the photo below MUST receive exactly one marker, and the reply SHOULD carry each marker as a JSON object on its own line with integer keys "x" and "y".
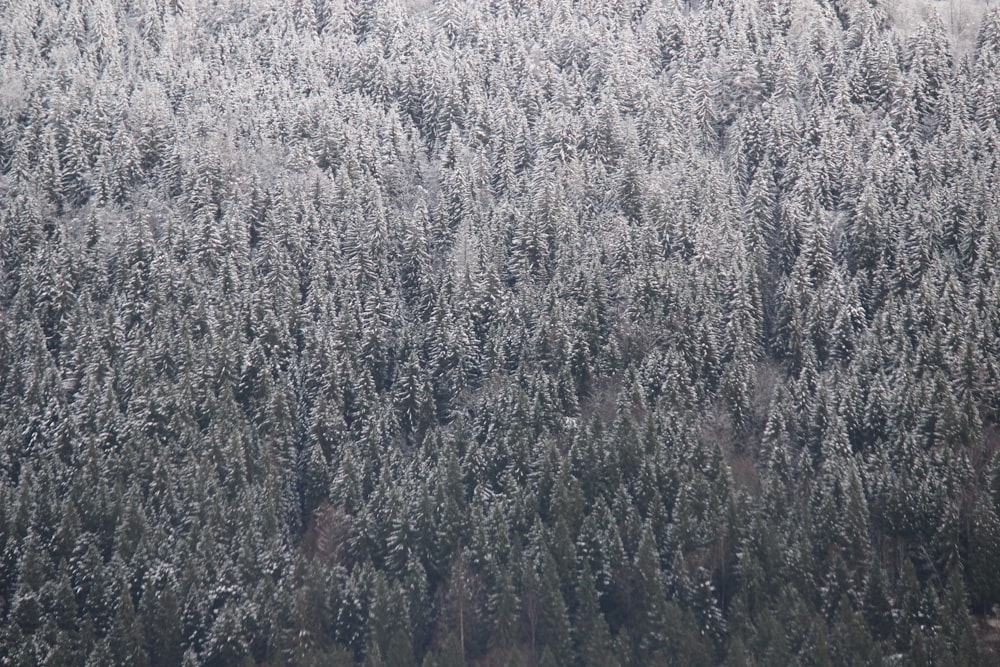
{"x": 496, "y": 332}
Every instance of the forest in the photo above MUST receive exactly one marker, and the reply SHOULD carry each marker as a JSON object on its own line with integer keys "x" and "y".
{"x": 498, "y": 333}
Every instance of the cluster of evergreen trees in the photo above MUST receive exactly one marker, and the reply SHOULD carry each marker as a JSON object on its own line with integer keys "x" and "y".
{"x": 504, "y": 332}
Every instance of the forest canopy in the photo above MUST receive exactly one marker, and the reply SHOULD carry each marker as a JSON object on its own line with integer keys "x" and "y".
{"x": 498, "y": 332}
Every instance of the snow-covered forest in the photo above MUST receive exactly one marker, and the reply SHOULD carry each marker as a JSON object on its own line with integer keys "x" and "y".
{"x": 498, "y": 332}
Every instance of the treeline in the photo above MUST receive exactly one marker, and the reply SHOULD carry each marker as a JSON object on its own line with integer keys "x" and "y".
{"x": 498, "y": 332}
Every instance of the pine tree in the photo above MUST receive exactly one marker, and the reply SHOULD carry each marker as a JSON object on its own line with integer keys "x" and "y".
{"x": 389, "y": 634}
{"x": 981, "y": 568}
{"x": 592, "y": 638}
{"x": 126, "y": 639}
{"x": 929, "y": 64}
{"x": 957, "y": 628}
{"x": 553, "y": 631}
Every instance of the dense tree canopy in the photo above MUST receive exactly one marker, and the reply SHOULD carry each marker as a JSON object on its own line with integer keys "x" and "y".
{"x": 499, "y": 332}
